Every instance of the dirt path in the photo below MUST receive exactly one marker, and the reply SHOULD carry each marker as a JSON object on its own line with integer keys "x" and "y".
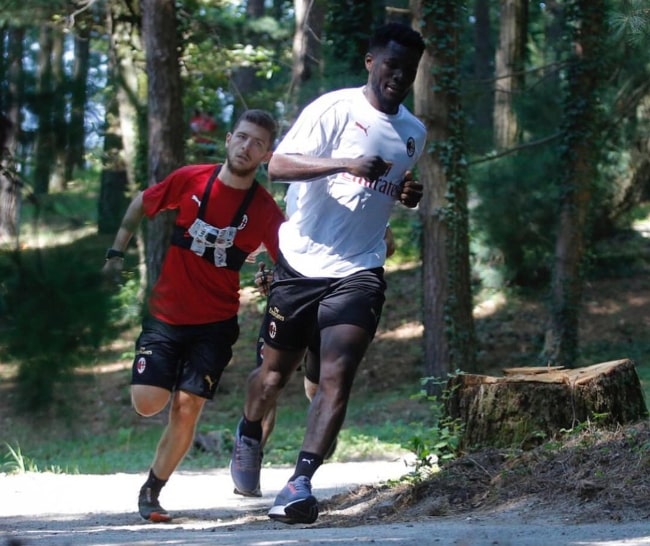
{"x": 70, "y": 510}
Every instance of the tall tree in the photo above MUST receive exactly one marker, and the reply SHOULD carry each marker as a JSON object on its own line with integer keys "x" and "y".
{"x": 509, "y": 63}
{"x": 59, "y": 125}
{"x": 43, "y": 107}
{"x": 449, "y": 339}
{"x": 126, "y": 56}
{"x": 165, "y": 116}
{"x": 10, "y": 185}
{"x": 307, "y": 56}
{"x": 76, "y": 127}
{"x": 123, "y": 120}
{"x": 244, "y": 79}
{"x": 580, "y": 160}
{"x": 113, "y": 187}
{"x": 9, "y": 189}
{"x": 483, "y": 69}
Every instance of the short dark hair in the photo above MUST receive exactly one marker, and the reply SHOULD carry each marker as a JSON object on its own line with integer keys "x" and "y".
{"x": 400, "y": 33}
{"x": 261, "y": 118}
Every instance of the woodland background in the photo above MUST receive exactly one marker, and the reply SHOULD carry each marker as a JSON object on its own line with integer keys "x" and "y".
{"x": 536, "y": 169}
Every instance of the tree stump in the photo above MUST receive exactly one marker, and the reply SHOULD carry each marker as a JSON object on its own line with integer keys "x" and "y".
{"x": 528, "y": 406}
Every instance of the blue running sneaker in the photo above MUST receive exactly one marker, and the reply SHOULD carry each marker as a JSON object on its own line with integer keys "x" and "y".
{"x": 295, "y": 503}
{"x": 246, "y": 465}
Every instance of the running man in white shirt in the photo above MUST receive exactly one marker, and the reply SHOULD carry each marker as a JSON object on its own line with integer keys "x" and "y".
{"x": 353, "y": 150}
{"x": 311, "y": 361}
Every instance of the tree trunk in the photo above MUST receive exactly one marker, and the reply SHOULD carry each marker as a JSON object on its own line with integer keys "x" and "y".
{"x": 483, "y": 74}
{"x": 244, "y": 78}
{"x": 580, "y": 169}
{"x": 509, "y": 64}
{"x": 44, "y": 152}
{"x": 125, "y": 125}
{"x": 165, "y": 117}
{"x": 59, "y": 125}
{"x": 112, "y": 200}
{"x": 449, "y": 340}
{"x": 531, "y": 405}
{"x": 113, "y": 192}
{"x": 307, "y": 55}
{"x": 10, "y": 185}
{"x": 9, "y": 189}
{"x": 631, "y": 186}
{"x": 131, "y": 91}
{"x": 76, "y": 127}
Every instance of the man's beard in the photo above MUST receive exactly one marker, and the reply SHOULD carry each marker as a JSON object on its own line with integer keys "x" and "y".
{"x": 388, "y": 105}
{"x": 236, "y": 170}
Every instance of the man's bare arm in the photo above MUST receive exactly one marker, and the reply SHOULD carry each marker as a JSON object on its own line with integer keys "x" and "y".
{"x": 293, "y": 167}
{"x": 132, "y": 217}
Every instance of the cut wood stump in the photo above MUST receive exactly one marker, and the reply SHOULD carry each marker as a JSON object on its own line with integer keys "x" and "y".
{"x": 528, "y": 406}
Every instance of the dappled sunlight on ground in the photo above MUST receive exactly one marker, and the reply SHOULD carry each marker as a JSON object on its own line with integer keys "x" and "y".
{"x": 643, "y": 227}
{"x": 490, "y": 305}
{"x": 28, "y": 239}
{"x": 614, "y": 312}
{"x": 105, "y": 368}
{"x": 409, "y": 330}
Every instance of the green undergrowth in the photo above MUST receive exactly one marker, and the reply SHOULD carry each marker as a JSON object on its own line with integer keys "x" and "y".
{"x": 130, "y": 447}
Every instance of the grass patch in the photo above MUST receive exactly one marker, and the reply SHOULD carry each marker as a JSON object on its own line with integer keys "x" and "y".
{"x": 128, "y": 442}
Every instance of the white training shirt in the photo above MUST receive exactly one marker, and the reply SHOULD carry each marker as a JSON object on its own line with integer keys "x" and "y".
{"x": 336, "y": 223}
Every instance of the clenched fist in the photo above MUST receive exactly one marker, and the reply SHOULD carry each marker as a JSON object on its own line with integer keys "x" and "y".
{"x": 411, "y": 191}
{"x": 263, "y": 279}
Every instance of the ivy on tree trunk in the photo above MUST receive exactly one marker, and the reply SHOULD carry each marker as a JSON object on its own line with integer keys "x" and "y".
{"x": 580, "y": 155}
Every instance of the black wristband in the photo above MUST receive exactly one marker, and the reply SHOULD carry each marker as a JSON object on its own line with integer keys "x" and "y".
{"x": 112, "y": 253}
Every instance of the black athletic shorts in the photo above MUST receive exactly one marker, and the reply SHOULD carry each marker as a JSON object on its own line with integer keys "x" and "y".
{"x": 311, "y": 361}
{"x": 189, "y": 358}
{"x": 298, "y": 306}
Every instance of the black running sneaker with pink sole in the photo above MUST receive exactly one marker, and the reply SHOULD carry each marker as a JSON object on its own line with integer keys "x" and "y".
{"x": 295, "y": 503}
{"x": 150, "y": 508}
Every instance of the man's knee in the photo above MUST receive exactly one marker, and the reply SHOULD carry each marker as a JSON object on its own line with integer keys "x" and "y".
{"x": 148, "y": 400}
{"x": 272, "y": 382}
{"x": 337, "y": 377}
{"x": 277, "y": 368}
{"x": 186, "y": 407}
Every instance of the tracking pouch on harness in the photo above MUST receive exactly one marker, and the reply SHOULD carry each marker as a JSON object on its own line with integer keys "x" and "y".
{"x": 214, "y": 244}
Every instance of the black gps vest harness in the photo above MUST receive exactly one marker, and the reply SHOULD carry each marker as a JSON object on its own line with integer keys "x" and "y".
{"x": 235, "y": 257}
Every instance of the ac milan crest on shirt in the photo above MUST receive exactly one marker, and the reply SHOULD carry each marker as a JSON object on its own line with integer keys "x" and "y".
{"x": 410, "y": 146}
{"x": 141, "y": 365}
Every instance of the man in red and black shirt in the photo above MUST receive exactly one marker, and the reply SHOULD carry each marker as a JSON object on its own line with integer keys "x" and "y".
{"x": 223, "y": 215}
